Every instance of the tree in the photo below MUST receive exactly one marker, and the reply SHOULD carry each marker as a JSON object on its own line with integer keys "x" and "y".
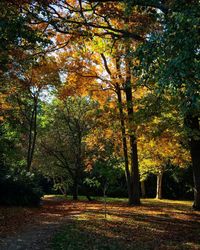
{"x": 112, "y": 54}
{"x": 18, "y": 36}
{"x": 105, "y": 172}
{"x": 161, "y": 138}
{"x": 85, "y": 19}
{"x": 159, "y": 152}
{"x": 117, "y": 79}
{"x": 170, "y": 57}
{"x": 24, "y": 101}
{"x": 69, "y": 122}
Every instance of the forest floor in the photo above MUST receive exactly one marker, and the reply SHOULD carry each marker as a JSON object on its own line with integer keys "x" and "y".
{"x": 63, "y": 224}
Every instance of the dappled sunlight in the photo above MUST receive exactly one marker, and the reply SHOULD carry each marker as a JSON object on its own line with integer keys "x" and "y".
{"x": 99, "y": 98}
{"x": 153, "y": 225}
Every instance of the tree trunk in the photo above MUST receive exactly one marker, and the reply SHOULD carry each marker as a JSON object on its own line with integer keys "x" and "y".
{"x": 30, "y": 142}
{"x": 105, "y": 202}
{"x": 75, "y": 190}
{"x": 34, "y": 132}
{"x": 78, "y": 165}
{"x": 143, "y": 190}
{"x": 32, "y": 135}
{"x": 192, "y": 124}
{"x": 159, "y": 184}
{"x": 135, "y": 180}
{"x": 88, "y": 197}
{"x": 124, "y": 141}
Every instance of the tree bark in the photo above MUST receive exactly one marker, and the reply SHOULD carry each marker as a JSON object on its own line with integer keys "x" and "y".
{"x": 132, "y": 175}
{"x": 135, "y": 180}
{"x": 30, "y": 142}
{"x": 159, "y": 184}
{"x": 34, "y": 132}
{"x": 105, "y": 203}
{"x": 143, "y": 190}
{"x": 32, "y": 135}
{"x": 192, "y": 123}
{"x": 124, "y": 141}
{"x": 75, "y": 190}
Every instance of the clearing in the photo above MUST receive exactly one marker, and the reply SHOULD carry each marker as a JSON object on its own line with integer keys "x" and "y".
{"x": 64, "y": 224}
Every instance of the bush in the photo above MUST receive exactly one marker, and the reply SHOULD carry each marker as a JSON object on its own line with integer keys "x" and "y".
{"x": 19, "y": 188}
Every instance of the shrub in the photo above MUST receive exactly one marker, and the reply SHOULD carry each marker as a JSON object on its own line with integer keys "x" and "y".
{"x": 19, "y": 188}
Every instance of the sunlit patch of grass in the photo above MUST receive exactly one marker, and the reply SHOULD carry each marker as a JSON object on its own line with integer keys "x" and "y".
{"x": 54, "y": 196}
{"x": 84, "y": 198}
{"x": 166, "y": 201}
{"x": 123, "y": 200}
{"x": 110, "y": 199}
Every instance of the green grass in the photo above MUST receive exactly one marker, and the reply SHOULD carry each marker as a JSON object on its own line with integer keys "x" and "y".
{"x": 84, "y": 198}
{"x": 123, "y": 200}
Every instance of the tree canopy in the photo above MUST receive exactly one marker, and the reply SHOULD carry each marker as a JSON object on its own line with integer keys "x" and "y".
{"x": 92, "y": 88}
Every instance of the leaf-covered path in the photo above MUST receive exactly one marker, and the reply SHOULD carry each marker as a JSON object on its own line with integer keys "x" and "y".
{"x": 154, "y": 225}
{"x": 33, "y": 228}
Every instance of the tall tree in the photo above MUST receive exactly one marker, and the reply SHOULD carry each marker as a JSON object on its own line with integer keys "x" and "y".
{"x": 69, "y": 122}
{"x": 29, "y": 86}
{"x": 171, "y": 58}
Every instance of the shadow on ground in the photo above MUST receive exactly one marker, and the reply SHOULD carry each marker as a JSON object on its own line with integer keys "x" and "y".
{"x": 81, "y": 225}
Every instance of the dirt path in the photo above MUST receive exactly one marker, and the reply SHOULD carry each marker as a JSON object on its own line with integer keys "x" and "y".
{"x": 34, "y": 228}
{"x": 35, "y": 237}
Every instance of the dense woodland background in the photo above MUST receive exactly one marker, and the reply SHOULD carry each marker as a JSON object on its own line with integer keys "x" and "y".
{"x": 99, "y": 98}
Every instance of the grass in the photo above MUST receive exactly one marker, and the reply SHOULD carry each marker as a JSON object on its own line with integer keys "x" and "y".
{"x": 112, "y": 199}
{"x": 84, "y": 198}
{"x": 156, "y": 224}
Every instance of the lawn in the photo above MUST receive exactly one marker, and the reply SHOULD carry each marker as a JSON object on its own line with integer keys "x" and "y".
{"x": 163, "y": 224}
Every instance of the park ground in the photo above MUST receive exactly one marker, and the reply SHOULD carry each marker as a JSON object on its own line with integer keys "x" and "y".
{"x": 60, "y": 223}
